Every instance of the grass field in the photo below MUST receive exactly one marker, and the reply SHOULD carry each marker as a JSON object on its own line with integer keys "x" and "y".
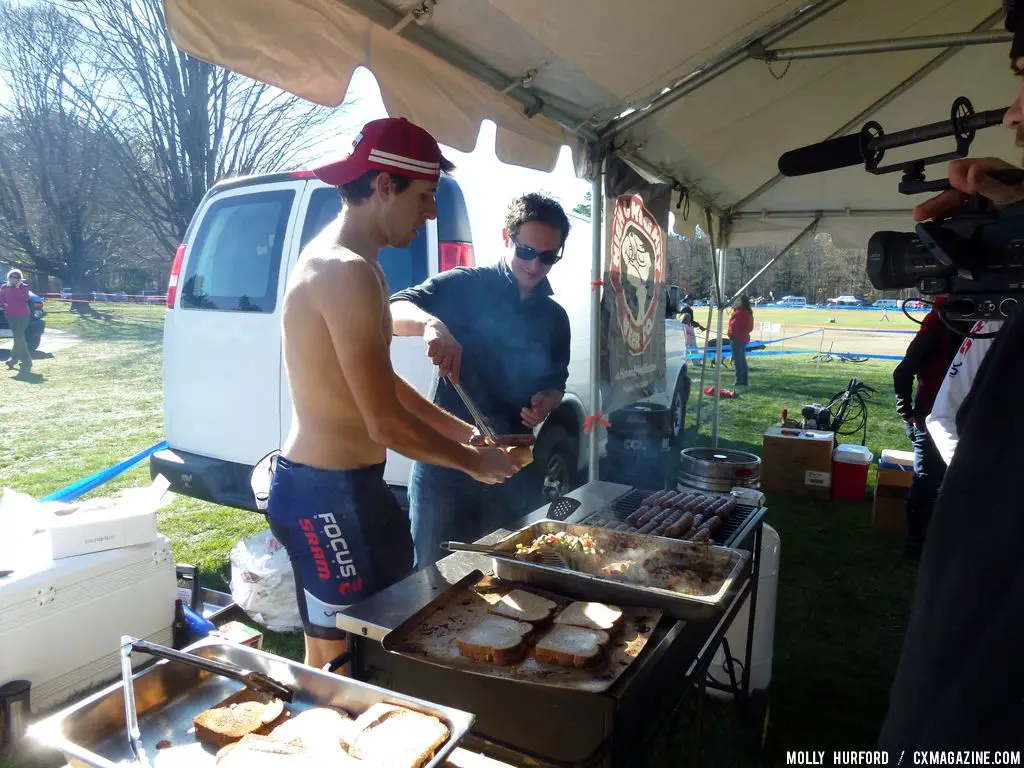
{"x": 844, "y": 318}
{"x": 843, "y": 592}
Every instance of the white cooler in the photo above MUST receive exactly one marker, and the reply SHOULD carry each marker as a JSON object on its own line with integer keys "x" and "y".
{"x": 61, "y": 621}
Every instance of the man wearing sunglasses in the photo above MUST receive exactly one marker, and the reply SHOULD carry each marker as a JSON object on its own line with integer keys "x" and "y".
{"x": 497, "y": 331}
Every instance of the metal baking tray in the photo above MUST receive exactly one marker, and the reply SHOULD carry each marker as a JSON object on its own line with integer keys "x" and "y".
{"x": 169, "y": 694}
{"x": 429, "y": 635}
{"x": 734, "y": 564}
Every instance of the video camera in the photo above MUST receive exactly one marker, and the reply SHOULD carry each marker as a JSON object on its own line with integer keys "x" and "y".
{"x": 975, "y": 258}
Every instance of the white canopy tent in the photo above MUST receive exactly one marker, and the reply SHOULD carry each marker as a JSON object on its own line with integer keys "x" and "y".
{"x": 702, "y": 95}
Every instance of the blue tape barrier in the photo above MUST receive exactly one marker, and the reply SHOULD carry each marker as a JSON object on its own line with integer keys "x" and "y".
{"x": 770, "y": 341}
{"x": 86, "y": 484}
{"x": 872, "y": 330}
{"x": 773, "y": 352}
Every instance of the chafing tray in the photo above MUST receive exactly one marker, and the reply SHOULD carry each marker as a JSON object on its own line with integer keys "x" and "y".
{"x": 731, "y": 563}
{"x": 429, "y": 635}
{"x": 169, "y": 694}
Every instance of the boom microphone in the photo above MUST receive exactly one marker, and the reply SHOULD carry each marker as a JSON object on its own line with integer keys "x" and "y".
{"x": 823, "y": 156}
{"x": 868, "y": 146}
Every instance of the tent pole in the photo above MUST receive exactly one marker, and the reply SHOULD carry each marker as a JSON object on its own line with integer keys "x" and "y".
{"x": 596, "y": 274}
{"x": 718, "y": 349}
{"x": 777, "y": 256}
{"x": 704, "y": 359}
{"x": 884, "y": 46}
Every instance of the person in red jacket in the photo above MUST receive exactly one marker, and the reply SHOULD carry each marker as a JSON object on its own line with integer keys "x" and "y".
{"x": 14, "y": 303}
{"x": 741, "y": 323}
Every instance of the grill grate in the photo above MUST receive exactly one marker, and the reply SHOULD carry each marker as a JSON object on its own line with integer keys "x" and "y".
{"x": 627, "y": 504}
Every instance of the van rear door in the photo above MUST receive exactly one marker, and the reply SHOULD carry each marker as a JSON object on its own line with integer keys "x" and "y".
{"x": 222, "y": 337}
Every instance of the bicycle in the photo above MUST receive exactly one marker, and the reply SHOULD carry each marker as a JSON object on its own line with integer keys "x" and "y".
{"x": 849, "y": 409}
{"x": 843, "y": 357}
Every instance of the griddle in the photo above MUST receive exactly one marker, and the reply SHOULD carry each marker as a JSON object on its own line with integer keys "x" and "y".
{"x": 534, "y": 725}
{"x": 429, "y": 635}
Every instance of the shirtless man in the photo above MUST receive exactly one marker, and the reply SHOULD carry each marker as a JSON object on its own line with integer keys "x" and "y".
{"x": 329, "y": 506}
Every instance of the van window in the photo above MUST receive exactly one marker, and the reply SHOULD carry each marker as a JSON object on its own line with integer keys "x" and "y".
{"x": 403, "y": 267}
{"x": 236, "y": 255}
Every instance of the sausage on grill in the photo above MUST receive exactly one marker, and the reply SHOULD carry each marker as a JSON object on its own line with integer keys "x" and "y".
{"x": 634, "y": 518}
{"x": 682, "y": 501}
{"x": 655, "y": 520}
{"x": 653, "y": 499}
{"x": 664, "y": 524}
{"x": 668, "y": 499}
{"x": 730, "y": 506}
{"x": 702, "y": 534}
{"x": 647, "y": 516}
{"x": 680, "y": 526}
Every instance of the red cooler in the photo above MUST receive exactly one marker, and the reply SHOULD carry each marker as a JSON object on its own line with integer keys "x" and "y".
{"x": 850, "y": 465}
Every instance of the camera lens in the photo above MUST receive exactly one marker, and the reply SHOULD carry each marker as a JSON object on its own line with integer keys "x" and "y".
{"x": 898, "y": 260}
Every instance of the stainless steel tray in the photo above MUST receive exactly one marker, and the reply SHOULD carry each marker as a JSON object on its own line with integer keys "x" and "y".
{"x": 584, "y": 586}
{"x": 169, "y": 694}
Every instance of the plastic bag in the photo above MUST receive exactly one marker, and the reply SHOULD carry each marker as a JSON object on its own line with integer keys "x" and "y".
{"x": 263, "y": 583}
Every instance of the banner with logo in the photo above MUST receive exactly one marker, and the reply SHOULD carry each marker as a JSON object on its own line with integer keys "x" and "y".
{"x": 633, "y": 303}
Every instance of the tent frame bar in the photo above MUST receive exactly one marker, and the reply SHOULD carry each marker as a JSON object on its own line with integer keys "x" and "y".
{"x": 837, "y": 213}
{"x": 891, "y": 45}
{"x": 597, "y": 203}
{"x": 718, "y": 66}
{"x": 855, "y": 123}
{"x": 806, "y": 230}
{"x": 534, "y": 102}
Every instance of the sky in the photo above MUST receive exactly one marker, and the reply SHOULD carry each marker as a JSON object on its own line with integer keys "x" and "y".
{"x": 488, "y": 184}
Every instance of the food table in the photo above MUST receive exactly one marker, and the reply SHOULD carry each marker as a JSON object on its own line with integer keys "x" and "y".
{"x": 531, "y": 723}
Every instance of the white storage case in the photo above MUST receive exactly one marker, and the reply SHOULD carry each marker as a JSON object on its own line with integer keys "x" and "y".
{"x": 61, "y": 621}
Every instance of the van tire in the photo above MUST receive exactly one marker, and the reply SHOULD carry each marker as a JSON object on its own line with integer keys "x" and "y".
{"x": 677, "y": 409}
{"x": 555, "y": 462}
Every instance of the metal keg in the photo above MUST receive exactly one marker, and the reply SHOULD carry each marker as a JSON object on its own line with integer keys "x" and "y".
{"x": 718, "y": 470}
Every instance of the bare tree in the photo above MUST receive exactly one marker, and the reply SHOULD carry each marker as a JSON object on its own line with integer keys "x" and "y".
{"x": 59, "y": 210}
{"x": 181, "y": 123}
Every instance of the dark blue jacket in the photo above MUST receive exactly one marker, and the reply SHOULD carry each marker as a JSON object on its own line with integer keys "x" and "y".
{"x": 513, "y": 348}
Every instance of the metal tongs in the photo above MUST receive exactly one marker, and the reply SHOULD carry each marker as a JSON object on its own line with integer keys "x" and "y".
{"x": 478, "y": 417}
{"x": 257, "y": 681}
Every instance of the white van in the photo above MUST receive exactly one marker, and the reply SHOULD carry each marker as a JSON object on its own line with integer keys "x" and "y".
{"x": 792, "y": 301}
{"x": 226, "y": 399}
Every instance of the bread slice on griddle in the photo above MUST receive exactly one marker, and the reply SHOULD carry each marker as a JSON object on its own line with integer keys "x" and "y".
{"x": 496, "y": 639}
{"x": 597, "y": 616}
{"x": 524, "y": 606}
{"x": 393, "y": 736}
{"x": 571, "y": 646}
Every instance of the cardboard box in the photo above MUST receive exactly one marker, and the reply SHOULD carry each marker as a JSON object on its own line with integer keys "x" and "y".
{"x": 797, "y": 461}
{"x": 889, "y": 511}
{"x": 101, "y": 524}
{"x": 243, "y": 634}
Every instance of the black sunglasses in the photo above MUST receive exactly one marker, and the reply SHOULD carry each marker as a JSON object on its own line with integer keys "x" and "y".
{"x": 526, "y": 253}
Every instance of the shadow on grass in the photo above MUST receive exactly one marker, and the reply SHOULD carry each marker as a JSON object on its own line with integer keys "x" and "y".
{"x": 28, "y": 377}
{"x": 113, "y": 328}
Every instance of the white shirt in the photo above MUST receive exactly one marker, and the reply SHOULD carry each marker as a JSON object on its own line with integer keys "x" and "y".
{"x": 941, "y": 422}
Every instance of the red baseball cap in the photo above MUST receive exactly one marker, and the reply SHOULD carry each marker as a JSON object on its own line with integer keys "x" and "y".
{"x": 393, "y": 145}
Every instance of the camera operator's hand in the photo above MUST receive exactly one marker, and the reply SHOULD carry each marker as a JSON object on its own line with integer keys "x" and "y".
{"x": 968, "y": 178}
